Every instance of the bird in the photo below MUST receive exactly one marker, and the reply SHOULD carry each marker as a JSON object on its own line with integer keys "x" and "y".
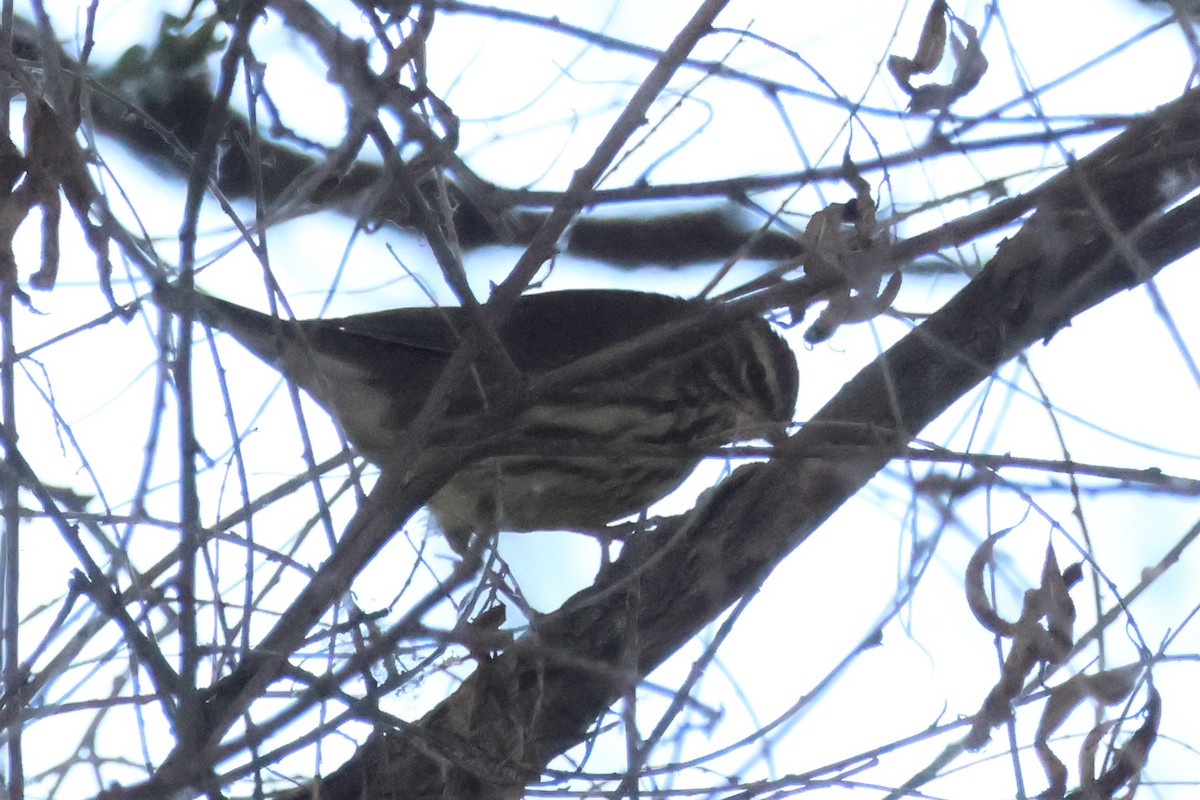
{"x": 579, "y": 455}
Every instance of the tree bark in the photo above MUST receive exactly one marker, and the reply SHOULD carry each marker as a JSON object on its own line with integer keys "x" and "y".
{"x": 1096, "y": 231}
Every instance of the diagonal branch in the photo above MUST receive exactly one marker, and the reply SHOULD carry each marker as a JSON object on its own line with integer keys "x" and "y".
{"x": 522, "y": 709}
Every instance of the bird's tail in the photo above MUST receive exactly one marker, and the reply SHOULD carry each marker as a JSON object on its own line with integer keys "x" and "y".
{"x": 259, "y": 333}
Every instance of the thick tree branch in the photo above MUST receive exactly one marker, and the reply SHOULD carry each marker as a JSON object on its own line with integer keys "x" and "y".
{"x": 522, "y": 709}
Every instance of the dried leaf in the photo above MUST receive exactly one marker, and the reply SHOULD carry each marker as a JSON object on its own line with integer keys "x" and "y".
{"x": 930, "y": 48}
{"x": 969, "y": 68}
{"x": 1130, "y": 760}
{"x": 1058, "y": 608}
{"x": 933, "y": 39}
{"x": 1114, "y": 685}
{"x": 1055, "y": 769}
{"x": 967, "y": 52}
{"x": 1032, "y": 645}
{"x": 977, "y": 596}
{"x": 843, "y": 245}
{"x": 1107, "y": 687}
{"x": 1087, "y": 757}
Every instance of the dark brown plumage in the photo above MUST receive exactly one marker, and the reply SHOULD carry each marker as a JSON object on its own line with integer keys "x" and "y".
{"x": 577, "y": 456}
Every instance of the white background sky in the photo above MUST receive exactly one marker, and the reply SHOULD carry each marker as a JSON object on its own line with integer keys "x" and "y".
{"x": 533, "y": 106}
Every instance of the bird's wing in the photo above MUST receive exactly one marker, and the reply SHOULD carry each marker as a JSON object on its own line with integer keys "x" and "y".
{"x": 431, "y": 329}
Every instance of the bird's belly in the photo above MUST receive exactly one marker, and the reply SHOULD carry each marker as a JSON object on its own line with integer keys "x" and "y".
{"x": 523, "y": 493}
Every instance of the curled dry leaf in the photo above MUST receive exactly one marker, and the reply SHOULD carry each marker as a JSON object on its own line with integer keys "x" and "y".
{"x": 967, "y": 52}
{"x": 53, "y": 163}
{"x": 1043, "y": 636}
{"x": 1131, "y": 757}
{"x": 1056, "y": 772}
{"x": 1034, "y": 644}
{"x": 1050, "y": 601}
{"x": 844, "y": 246}
{"x": 1057, "y": 607}
{"x": 1107, "y": 688}
{"x": 977, "y": 597}
{"x": 1088, "y": 752}
{"x": 930, "y": 48}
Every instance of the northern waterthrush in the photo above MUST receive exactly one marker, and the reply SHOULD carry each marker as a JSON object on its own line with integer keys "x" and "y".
{"x": 581, "y": 453}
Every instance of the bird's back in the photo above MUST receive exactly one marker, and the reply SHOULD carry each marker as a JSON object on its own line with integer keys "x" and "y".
{"x": 575, "y": 454}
